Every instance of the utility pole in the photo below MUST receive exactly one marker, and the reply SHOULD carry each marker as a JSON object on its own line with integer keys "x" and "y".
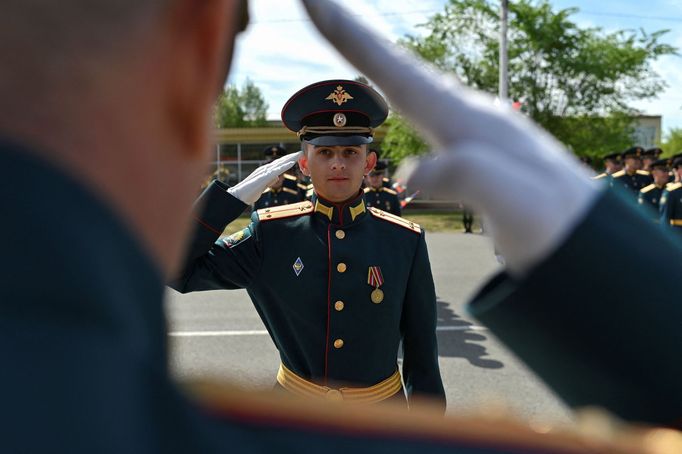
{"x": 503, "y": 91}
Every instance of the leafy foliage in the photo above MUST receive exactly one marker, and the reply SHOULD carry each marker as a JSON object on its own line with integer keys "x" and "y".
{"x": 241, "y": 108}
{"x": 672, "y": 142}
{"x": 575, "y": 82}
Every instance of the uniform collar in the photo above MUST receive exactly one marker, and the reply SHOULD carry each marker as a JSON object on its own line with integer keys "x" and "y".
{"x": 340, "y": 213}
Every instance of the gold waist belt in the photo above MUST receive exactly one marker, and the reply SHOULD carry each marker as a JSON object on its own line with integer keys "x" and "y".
{"x": 304, "y": 388}
{"x": 677, "y": 222}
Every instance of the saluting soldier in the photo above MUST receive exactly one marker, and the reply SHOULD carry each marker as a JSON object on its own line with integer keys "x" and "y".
{"x": 632, "y": 177}
{"x": 612, "y": 164}
{"x": 338, "y": 284}
{"x": 379, "y": 196}
{"x": 650, "y": 196}
{"x": 671, "y": 200}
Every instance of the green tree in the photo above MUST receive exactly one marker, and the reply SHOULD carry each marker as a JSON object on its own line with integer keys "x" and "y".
{"x": 576, "y": 82}
{"x": 672, "y": 142}
{"x": 241, "y": 108}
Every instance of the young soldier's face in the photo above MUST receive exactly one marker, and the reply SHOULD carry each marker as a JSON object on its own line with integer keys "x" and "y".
{"x": 337, "y": 171}
{"x": 375, "y": 180}
{"x": 660, "y": 176}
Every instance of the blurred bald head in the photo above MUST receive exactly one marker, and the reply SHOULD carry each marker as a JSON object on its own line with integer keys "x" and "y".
{"x": 120, "y": 93}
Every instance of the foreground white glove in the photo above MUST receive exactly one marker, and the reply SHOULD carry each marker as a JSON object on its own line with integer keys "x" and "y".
{"x": 538, "y": 192}
{"x": 250, "y": 188}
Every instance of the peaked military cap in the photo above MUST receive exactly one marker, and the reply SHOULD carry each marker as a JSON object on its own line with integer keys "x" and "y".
{"x": 380, "y": 167}
{"x": 632, "y": 152}
{"x": 335, "y": 112}
{"x": 612, "y": 157}
{"x": 676, "y": 161}
{"x": 274, "y": 151}
{"x": 653, "y": 152}
{"x": 660, "y": 163}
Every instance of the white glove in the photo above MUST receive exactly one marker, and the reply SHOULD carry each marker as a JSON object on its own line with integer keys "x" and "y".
{"x": 538, "y": 192}
{"x": 250, "y": 188}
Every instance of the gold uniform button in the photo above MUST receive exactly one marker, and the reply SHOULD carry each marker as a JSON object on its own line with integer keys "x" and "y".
{"x": 340, "y": 234}
{"x": 341, "y": 267}
{"x": 339, "y": 306}
{"x": 338, "y": 343}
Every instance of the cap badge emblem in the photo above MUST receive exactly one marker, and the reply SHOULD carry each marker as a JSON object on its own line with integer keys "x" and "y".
{"x": 339, "y": 96}
{"x": 298, "y": 266}
{"x": 339, "y": 120}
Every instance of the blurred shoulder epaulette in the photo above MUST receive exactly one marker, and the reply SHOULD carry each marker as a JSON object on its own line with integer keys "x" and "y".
{"x": 290, "y": 191}
{"x": 367, "y": 189}
{"x": 302, "y": 187}
{"x": 289, "y": 177}
{"x": 390, "y": 191}
{"x": 673, "y": 186}
{"x": 392, "y": 218}
{"x": 618, "y": 174}
{"x": 646, "y": 189}
{"x": 644, "y": 172}
{"x": 600, "y": 176}
{"x": 284, "y": 211}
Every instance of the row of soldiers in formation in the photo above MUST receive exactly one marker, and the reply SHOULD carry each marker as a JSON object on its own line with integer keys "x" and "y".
{"x": 293, "y": 187}
{"x": 657, "y": 183}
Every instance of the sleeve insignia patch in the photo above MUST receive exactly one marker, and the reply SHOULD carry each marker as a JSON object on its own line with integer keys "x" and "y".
{"x": 237, "y": 237}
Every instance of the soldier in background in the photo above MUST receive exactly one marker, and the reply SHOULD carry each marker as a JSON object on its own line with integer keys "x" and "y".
{"x": 632, "y": 177}
{"x": 612, "y": 164}
{"x": 650, "y": 196}
{"x": 671, "y": 200}
{"x": 285, "y": 190}
{"x": 379, "y": 196}
{"x": 649, "y": 156}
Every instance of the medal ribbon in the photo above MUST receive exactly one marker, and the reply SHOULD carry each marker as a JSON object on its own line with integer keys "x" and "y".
{"x": 374, "y": 277}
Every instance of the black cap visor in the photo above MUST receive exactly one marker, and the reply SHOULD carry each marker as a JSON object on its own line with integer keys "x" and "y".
{"x": 331, "y": 141}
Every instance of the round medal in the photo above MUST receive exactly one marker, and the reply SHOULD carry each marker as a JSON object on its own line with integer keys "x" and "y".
{"x": 377, "y": 296}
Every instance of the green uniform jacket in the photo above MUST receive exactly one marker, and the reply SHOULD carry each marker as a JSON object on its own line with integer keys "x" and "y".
{"x": 384, "y": 199}
{"x": 306, "y": 267}
{"x": 586, "y": 329}
{"x": 649, "y": 199}
{"x": 633, "y": 182}
{"x": 671, "y": 207}
{"x": 276, "y": 197}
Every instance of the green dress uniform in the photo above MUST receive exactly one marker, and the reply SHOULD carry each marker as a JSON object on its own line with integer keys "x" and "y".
{"x": 384, "y": 199}
{"x": 337, "y": 286}
{"x": 595, "y": 339}
{"x": 633, "y": 182}
{"x": 671, "y": 207}
{"x": 276, "y": 197}
{"x": 649, "y": 198}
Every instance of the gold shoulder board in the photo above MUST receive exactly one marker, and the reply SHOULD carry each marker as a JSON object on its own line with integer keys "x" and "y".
{"x": 392, "y": 218}
{"x": 643, "y": 172}
{"x": 618, "y": 174}
{"x": 285, "y": 211}
{"x": 673, "y": 186}
{"x": 390, "y": 191}
{"x": 646, "y": 189}
{"x": 289, "y": 177}
{"x": 290, "y": 191}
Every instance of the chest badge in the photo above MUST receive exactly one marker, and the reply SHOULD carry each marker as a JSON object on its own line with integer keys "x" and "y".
{"x": 298, "y": 266}
{"x": 375, "y": 279}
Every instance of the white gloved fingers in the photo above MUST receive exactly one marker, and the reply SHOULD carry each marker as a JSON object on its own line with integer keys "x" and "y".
{"x": 251, "y": 187}
{"x": 530, "y": 208}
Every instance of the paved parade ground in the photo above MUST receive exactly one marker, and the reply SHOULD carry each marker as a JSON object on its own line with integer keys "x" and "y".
{"x": 219, "y": 334}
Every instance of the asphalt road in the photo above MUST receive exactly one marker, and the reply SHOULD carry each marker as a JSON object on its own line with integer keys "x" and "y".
{"x": 218, "y": 334}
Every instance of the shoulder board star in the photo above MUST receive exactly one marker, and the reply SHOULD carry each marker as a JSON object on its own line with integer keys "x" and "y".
{"x": 380, "y": 214}
{"x": 285, "y": 211}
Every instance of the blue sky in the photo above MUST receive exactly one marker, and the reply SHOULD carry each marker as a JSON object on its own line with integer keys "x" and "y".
{"x": 281, "y": 52}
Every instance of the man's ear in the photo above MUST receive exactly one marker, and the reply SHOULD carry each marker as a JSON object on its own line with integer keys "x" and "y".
{"x": 303, "y": 162}
{"x": 370, "y": 162}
